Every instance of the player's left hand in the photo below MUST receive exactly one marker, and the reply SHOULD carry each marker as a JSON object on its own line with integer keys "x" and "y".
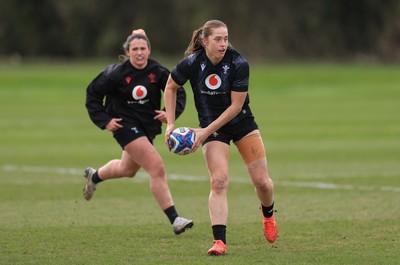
{"x": 200, "y": 136}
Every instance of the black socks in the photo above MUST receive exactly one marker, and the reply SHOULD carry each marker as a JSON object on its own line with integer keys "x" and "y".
{"x": 267, "y": 211}
{"x": 219, "y": 232}
{"x": 171, "y": 213}
{"x": 95, "y": 178}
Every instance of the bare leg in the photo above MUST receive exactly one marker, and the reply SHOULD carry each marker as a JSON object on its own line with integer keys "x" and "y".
{"x": 118, "y": 168}
{"x": 216, "y": 155}
{"x": 252, "y": 151}
{"x": 143, "y": 153}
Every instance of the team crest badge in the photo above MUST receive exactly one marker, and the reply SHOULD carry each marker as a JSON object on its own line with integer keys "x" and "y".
{"x": 226, "y": 68}
{"x": 152, "y": 78}
{"x": 128, "y": 79}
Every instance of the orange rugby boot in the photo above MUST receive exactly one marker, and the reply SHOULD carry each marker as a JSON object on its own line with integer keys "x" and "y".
{"x": 219, "y": 248}
{"x": 270, "y": 229}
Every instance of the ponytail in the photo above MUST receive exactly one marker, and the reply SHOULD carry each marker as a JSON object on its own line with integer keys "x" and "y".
{"x": 202, "y": 33}
{"x": 195, "y": 43}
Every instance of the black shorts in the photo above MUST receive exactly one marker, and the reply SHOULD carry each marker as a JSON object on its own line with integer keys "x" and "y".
{"x": 129, "y": 133}
{"x": 233, "y": 132}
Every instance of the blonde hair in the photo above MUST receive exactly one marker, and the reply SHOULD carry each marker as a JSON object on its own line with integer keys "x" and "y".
{"x": 202, "y": 33}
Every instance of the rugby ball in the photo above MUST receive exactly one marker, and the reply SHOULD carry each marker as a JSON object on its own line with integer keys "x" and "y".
{"x": 181, "y": 140}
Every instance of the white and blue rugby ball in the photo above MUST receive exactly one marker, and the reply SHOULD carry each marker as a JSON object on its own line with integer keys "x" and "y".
{"x": 181, "y": 140}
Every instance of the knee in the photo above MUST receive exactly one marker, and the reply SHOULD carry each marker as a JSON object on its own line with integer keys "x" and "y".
{"x": 157, "y": 171}
{"x": 219, "y": 183}
{"x": 265, "y": 184}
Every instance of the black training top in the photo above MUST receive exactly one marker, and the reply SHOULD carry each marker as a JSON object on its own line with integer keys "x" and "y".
{"x": 212, "y": 84}
{"x": 122, "y": 91}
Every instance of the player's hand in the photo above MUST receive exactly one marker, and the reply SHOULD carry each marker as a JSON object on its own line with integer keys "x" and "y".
{"x": 200, "y": 135}
{"x": 114, "y": 125}
{"x": 161, "y": 116}
{"x": 168, "y": 131}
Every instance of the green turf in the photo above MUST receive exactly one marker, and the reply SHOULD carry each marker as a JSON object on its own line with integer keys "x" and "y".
{"x": 332, "y": 133}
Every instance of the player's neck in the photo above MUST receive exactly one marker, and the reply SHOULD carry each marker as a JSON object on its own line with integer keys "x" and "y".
{"x": 213, "y": 59}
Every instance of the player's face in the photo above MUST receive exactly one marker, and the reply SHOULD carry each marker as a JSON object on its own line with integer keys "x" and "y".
{"x": 138, "y": 53}
{"x": 216, "y": 44}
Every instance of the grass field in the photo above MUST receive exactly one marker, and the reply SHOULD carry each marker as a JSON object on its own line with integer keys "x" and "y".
{"x": 332, "y": 133}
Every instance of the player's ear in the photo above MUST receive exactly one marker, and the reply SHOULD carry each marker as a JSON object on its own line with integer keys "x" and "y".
{"x": 203, "y": 41}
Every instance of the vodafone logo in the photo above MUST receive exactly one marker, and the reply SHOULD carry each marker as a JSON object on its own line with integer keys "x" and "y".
{"x": 139, "y": 92}
{"x": 213, "y": 81}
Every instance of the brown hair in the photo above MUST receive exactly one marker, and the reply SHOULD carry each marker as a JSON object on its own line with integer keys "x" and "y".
{"x": 202, "y": 33}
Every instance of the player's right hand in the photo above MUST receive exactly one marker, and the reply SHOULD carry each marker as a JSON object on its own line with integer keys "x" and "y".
{"x": 168, "y": 131}
{"x": 114, "y": 125}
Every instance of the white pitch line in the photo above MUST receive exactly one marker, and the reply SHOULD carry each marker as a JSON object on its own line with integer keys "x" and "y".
{"x": 141, "y": 176}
